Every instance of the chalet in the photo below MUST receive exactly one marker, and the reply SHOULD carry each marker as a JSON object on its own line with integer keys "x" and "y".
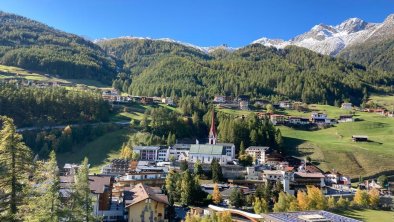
{"x": 243, "y": 98}
{"x": 116, "y": 167}
{"x": 154, "y": 176}
{"x": 285, "y": 104}
{"x": 144, "y": 203}
{"x": 320, "y": 118}
{"x": 277, "y": 119}
{"x": 111, "y": 95}
{"x": 347, "y": 106}
{"x": 168, "y": 101}
{"x": 273, "y": 175}
{"x": 359, "y": 138}
{"x": 219, "y": 99}
{"x": 101, "y": 187}
{"x": 258, "y": 153}
{"x": 300, "y": 180}
{"x": 345, "y": 118}
{"x": 293, "y": 120}
{"x": 337, "y": 180}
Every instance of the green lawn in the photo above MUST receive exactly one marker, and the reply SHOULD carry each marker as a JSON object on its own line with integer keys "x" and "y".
{"x": 99, "y": 151}
{"x": 386, "y": 101}
{"x": 333, "y": 148}
{"x": 369, "y": 215}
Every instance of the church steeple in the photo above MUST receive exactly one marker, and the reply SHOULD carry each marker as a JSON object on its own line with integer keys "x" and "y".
{"x": 212, "y": 131}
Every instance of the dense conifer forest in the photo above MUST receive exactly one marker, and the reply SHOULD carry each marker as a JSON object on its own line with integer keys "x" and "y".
{"x": 160, "y": 68}
{"x": 32, "y": 45}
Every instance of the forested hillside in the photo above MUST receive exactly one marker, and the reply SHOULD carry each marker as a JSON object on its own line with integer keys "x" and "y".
{"x": 379, "y": 55}
{"x": 30, "y": 106}
{"x": 164, "y": 68}
{"x": 32, "y": 45}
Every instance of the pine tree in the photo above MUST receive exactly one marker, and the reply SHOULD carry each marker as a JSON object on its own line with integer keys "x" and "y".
{"x": 81, "y": 199}
{"x": 44, "y": 203}
{"x": 236, "y": 198}
{"x": 242, "y": 149}
{"x": 15, "y": 160}
{"x": 198, "y": 168}
{"x": 186, "y": 188}
{"x": 216, "y": 171}
{"x": 279, "y": 140}
{"x": 184, "y": 166}
{"x": 170, "y": 185}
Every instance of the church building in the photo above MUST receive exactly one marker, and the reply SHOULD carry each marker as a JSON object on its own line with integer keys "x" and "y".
{"x": 205, "y": 153}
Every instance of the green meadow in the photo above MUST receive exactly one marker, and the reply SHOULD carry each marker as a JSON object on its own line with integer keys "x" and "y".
{"x": 333, "y": 148}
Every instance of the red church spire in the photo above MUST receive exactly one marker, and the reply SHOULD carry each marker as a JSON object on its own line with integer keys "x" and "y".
{"x": 212, "y": 131}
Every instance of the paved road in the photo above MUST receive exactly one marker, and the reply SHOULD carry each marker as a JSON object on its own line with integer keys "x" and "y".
{"x": 63, "y": 126}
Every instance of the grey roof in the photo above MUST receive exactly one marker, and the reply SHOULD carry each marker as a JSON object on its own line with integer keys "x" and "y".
{"x": 209, "y": 149}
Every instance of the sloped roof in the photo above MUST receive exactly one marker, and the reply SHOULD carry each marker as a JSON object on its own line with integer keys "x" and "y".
{"x": 142, "y": 192}
{"x": 98, "y": 184}
{"x": 209, "y": 149}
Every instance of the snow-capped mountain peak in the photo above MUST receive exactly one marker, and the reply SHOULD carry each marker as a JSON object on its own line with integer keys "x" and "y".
{"x": 331, "y": 40}
{"x": 352, "y": 25}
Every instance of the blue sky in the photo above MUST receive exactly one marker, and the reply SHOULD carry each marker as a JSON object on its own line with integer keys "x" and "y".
{"x": 203, "y": 22}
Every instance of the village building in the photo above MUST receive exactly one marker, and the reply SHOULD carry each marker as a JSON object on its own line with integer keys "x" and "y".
{"x": 152, "y": 176}
{"x": 277, "y": 119}
{"x": 219, "y": 99}
{"x": 149, "y": 153}
{"x": 293, "y": 120}
{"x": 116, "y": 167}
{"x": 258, "y": 153}
{"x": 347, "y": 106}
{"x": 144, "y": 203}
{"x": 205, "y": 153}
{"x": 345, "y": 118}
{"x": 359, "y": 138}
{"x": 320, "y": 118}
{"x": 168, "y": 101}
{"x": 285, "y": 104}
{"x": 273, "y": 175}
{"x": 337, "y": 180}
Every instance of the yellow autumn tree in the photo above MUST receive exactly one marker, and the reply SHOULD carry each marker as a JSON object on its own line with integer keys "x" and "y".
{"x": 126, "y": 152}
{"x": 361, "y": 198}
{"x": 317, "y": 200}
{"x": 224, "y": 216}
{"x": 374, "y": 197}
{"x": 303, "y": 201}
{"x": 216, "y": 195}
{"x": 331, "y": 204}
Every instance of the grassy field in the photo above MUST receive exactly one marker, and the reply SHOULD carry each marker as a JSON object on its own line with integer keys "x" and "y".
{"x": 332, "y": 148}
{"x": 386, "y": 101}
{"x": 99, "y": 151}
{"x": 369, "y": 215}
{"x": 8, "y": 72}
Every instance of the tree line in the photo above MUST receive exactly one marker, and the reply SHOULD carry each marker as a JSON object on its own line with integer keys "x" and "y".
{"x": 30, "y": 106}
